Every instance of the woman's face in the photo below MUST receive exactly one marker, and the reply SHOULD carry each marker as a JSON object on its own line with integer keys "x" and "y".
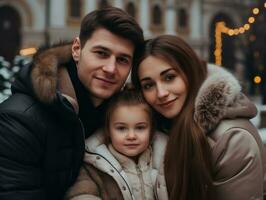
{"x": 162, "y": 86}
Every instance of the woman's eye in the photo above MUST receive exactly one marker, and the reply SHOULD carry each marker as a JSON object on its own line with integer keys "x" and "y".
{"x": 169, "y": 77}
{"x": 147, "y": 86}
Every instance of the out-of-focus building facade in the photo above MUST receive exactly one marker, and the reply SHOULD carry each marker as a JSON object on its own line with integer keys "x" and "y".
{"x": 31, "y": 23}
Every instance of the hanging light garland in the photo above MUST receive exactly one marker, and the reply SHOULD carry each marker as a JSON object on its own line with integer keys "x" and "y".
{"x": 221, "y": 28}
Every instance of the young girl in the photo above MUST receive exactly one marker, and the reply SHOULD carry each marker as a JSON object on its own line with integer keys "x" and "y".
{"x": 123, "y": 160}
{"x": 214, "y": 152}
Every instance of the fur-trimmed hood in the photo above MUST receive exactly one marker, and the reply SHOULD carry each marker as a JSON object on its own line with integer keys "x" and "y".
{"x": 220, "y": 98}
{"x": 45, "y": 70}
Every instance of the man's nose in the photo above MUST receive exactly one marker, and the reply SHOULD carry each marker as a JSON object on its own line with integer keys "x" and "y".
{"x": 110, "y": 65}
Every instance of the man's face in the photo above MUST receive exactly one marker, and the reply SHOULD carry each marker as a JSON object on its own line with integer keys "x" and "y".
{"x": 103, "y": 64}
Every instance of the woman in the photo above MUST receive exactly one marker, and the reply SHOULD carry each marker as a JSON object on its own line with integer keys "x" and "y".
{"x": 213, "y": 152}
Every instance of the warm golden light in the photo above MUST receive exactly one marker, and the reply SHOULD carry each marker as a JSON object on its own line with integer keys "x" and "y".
{"x": 246, "y": 26}
{"x": 251, "y": 20}
{"x": 236, "y": 31}
{"x": 265, "y": 5}
{"x": 231, "y": 32}
{"x": 257, "y": 79}
{"x": 217, "y": 52}
{"x": 241, "y": 30}
{"x": 255, "y": 11}
{"x": 28, "y": 51}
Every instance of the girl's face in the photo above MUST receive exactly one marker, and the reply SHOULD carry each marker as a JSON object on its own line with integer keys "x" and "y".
{"x": 162, "y": 86}
{"x": 130, "y": 129}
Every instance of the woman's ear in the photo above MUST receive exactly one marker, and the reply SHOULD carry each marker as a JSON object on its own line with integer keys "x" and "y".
{"x": 76, "y": 49}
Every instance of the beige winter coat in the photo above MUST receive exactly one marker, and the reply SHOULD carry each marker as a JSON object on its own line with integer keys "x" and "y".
{"x": 238, "y": 155}
{"x": 106, "y": 174}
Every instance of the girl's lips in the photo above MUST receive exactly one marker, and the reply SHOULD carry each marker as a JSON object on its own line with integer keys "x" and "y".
{"x": 131, "y": 145}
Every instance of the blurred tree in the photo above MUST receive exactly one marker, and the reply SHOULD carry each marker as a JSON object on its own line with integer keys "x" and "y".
{"x": 8, "y": 74}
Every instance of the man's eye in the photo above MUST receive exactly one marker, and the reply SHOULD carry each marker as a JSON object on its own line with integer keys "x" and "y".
{"x": 123, "y": 61}
{"x": 102, "y": 54}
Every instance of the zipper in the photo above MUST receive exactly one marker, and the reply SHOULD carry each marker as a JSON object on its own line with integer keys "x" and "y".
{"x": 113, "y": 167}
{"x": 141, "y": 181}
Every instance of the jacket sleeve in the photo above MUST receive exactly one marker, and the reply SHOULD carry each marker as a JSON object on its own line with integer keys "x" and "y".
{"x": 20, "y": 157}
{"x": 238, "y": 170}
{"x": 84, "y": 188}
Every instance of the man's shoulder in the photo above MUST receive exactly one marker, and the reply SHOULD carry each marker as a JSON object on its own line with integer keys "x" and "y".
{"x": 18, "y": 103}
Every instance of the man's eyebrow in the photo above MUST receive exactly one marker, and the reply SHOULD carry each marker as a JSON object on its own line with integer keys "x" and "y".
{"x": 100, "y": 47}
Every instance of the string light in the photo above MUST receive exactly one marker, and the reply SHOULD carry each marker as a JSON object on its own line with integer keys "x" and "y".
{"x": 28, "y": 51}
{"x": 221, "y": 28}
{"x": 257, "y": 79}
{"x": 251, "y": 20}
{"x": 255, "y": 11}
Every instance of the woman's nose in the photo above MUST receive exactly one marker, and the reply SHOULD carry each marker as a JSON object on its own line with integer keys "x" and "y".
{"x": 162, "y": 91}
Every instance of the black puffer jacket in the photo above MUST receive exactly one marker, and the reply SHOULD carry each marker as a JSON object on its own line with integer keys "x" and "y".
{"x": 41, "y": 144}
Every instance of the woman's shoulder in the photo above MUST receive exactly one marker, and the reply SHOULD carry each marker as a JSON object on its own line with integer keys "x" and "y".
{"x": 237, "y": 156}
{"x": 238, "y": 127}
{"x": 235, "y": 142}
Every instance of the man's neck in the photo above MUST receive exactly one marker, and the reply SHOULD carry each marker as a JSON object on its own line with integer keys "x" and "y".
{"x": 96, "y": 101}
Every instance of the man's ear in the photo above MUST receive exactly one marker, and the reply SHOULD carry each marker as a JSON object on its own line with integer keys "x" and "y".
{"x": 76, "y": 49}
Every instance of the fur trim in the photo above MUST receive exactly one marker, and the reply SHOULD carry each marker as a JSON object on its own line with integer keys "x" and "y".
{"x": 217, "y": 92}
{"x": 44, "y": 73}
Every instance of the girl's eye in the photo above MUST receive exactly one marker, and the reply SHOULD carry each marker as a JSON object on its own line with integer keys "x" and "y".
{"x": 120, "y": 128}
{"x": 141, "y": 128}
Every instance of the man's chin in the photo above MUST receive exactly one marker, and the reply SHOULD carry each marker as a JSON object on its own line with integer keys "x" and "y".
{"x": 99, "y": 97}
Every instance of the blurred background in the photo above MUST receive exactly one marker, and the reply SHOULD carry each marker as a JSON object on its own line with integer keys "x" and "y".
{"x": 230, "y": 33}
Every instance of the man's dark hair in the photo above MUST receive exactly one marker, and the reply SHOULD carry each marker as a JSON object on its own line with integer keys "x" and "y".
{"x": 114, "y": 20}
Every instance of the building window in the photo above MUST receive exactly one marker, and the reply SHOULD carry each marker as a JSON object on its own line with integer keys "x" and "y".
{"x": 182, "y": 18}
{"x": 130, "y": 8}
{"x": 103, "y": 4}
{"x": 75, "y": 8}
{"x": 157, "y": 15}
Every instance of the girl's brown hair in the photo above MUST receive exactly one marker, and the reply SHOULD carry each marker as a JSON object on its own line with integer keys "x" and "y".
{"x": 127, "y": 97}
{"x": 188, "y": 170}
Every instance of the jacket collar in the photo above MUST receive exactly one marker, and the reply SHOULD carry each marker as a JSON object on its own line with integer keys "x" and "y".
{"x": 219, "y": 98}
{"x": 95, "y": 144}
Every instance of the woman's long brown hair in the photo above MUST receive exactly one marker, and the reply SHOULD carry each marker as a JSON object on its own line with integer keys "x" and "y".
{"x": 188, "y": 169}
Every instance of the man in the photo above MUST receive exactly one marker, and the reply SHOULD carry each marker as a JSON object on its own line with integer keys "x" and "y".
{"x": 59, "y": 100}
